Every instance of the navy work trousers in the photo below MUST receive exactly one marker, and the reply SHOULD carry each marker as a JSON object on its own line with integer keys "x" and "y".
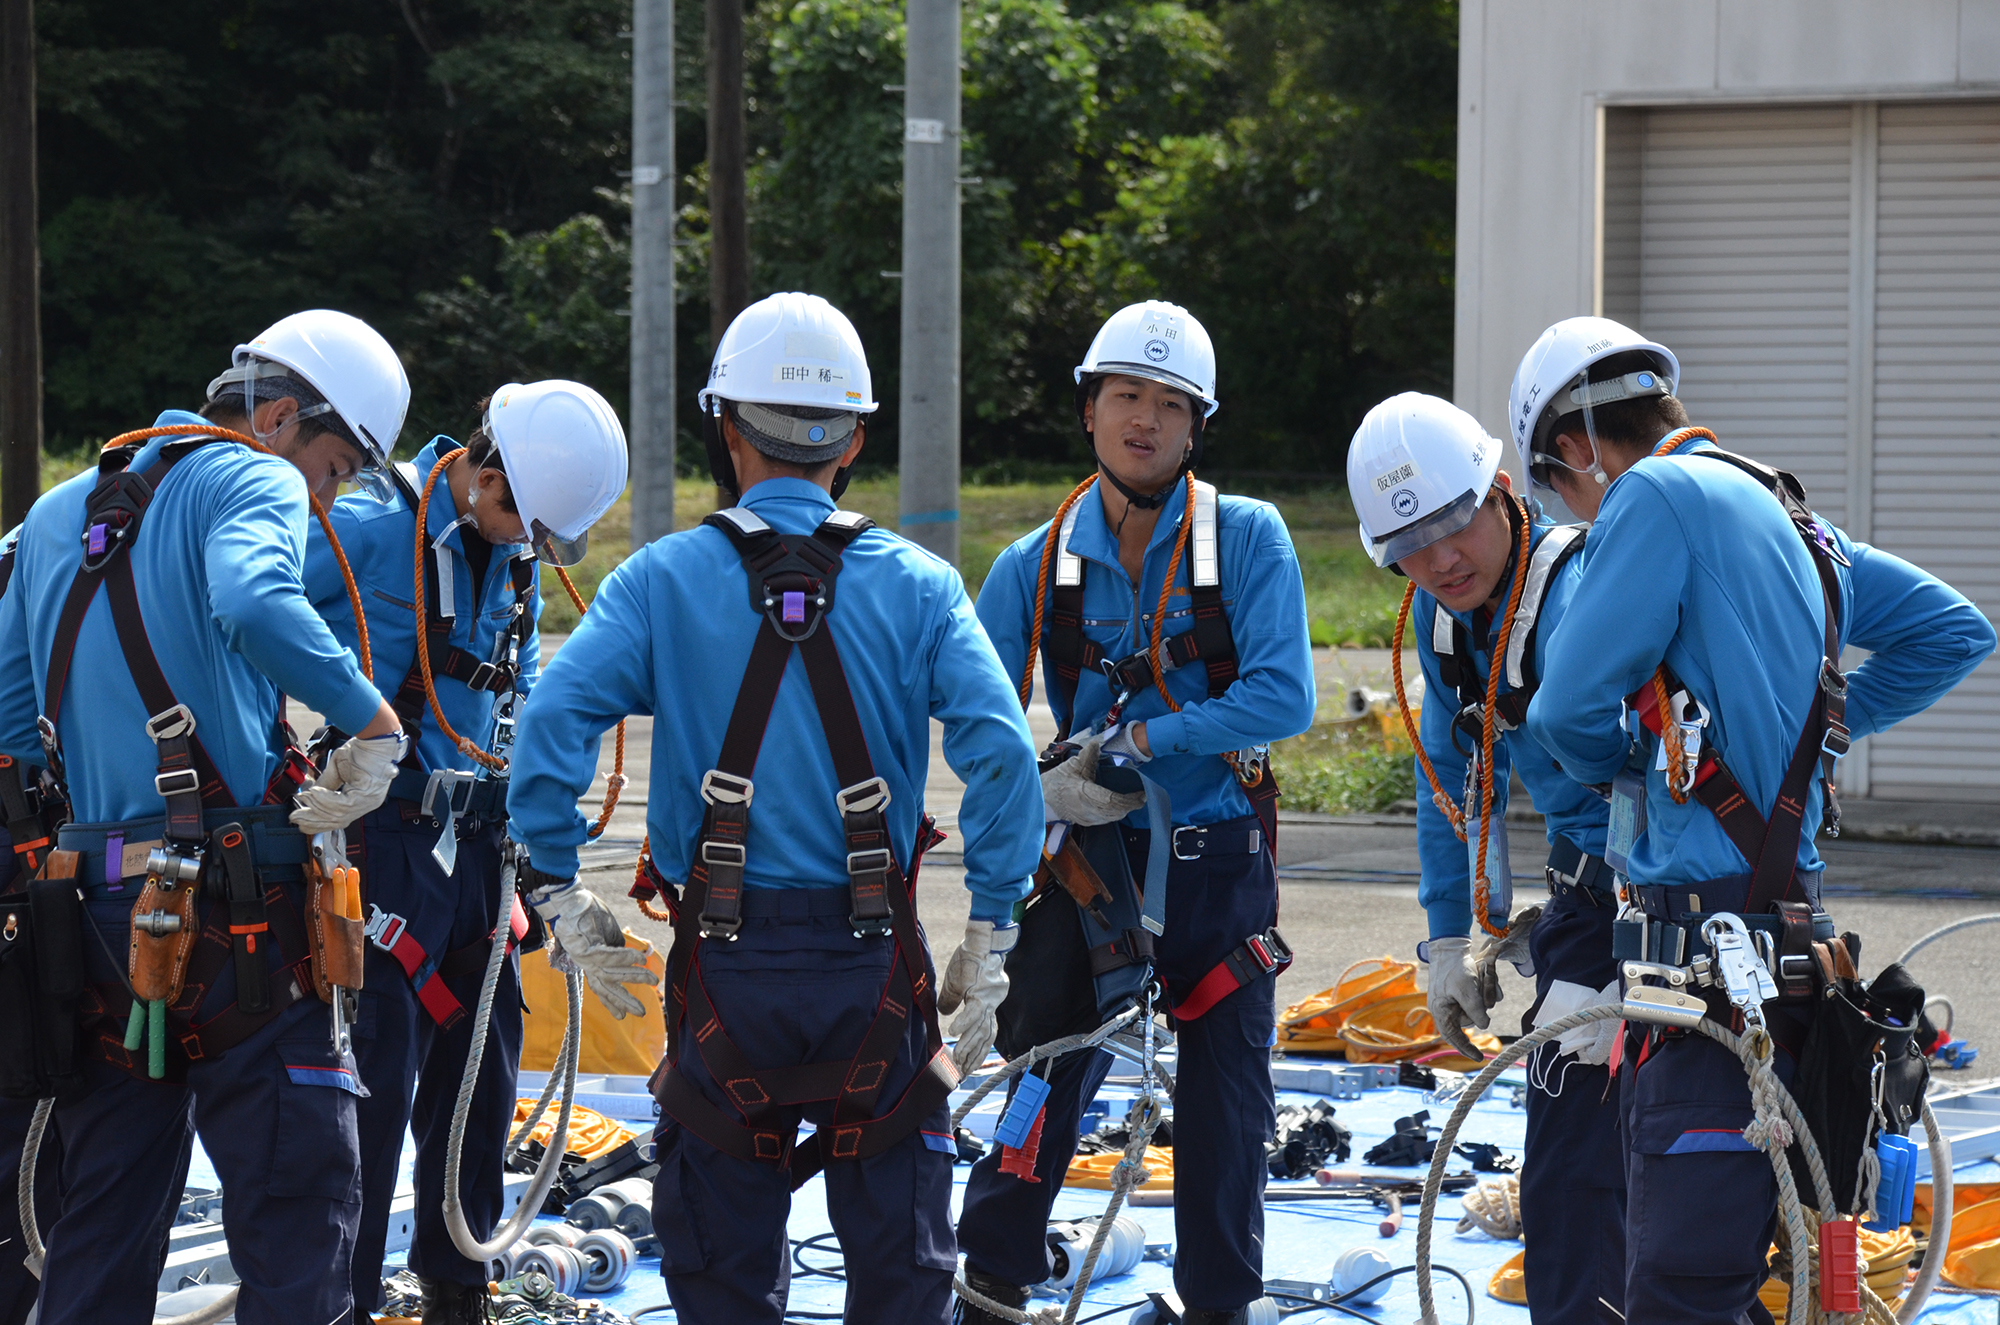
{"x": 796, "y": 986}
{"x": 1572, "y": 1170}
{"x": 17, "y": 1286}
{"x": 276, "y": 1117}
{"x": 1223, "y": 1109}
{"x": 1701, "y": 1202}
{"x": 413, "y": 1065}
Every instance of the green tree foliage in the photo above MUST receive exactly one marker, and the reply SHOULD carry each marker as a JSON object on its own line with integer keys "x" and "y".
{"x": 449, "y": 169}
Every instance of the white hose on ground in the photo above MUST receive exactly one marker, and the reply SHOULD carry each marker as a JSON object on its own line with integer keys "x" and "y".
{"x": 514, "y": 1226}
{"x": 1940, "y": 1239}
{"x": 1941, "y": 931}
{"x": 1771, "y": 1132}
{"x": 1129, "y": 1172}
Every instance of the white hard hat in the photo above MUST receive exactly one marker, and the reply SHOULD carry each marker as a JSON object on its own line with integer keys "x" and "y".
{"x": 346, "y": 361}
{"x": 564, "y": 453}
{"x": 1417, "y": 470}
{"x": 1160, "y": 342}
{"x": 1550, "y": 385}
{"x": 791, "y": 349}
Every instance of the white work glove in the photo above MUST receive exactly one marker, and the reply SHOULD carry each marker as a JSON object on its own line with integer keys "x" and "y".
{"x": 588, "y": 940}
{"x": 1592, "y": 1041}
{"x": 976, "y": 977}
{"x": 1070, "y": 793}
{"x": 1119, "y": 741}
{"x": 1511, "y": 947}
{"x": 1458, "y": 997}
{"x": 356, "y": 780}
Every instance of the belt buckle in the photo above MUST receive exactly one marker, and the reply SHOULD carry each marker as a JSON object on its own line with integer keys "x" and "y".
{"x": 482, "y": 676}
{"x": 384, "y": 928}
{"x": 1185, "y": 828}
{"x": 1269, "y": 949}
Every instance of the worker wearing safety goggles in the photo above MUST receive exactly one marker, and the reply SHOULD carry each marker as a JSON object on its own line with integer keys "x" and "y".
{"x": 1695, "y": 678}
{"x": 786, "y": 824}
{"x": 546, "y": 462}
{"x": 1172, "y": 627}
{"x": 155, "y": 619}
{"x": 1489, "y": 578}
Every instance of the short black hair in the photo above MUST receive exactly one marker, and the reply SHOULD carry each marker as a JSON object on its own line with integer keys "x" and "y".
{"x": 1633, "y": 424}
{"x": 229, "y": 405}
{"x": 482, "y": 452}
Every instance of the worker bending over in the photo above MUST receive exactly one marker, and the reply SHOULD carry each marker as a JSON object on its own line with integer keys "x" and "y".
{"x": 1490, "y": 576}
{"x": 545, "y": 463}
{"x": 794, "y": 656}
{"x": 1701, "y": 595}
{"x": 1172, "y": 626}
{"x": 155, "y": 619}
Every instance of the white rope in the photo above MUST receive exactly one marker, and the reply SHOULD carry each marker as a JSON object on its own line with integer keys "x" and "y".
{"x": 1941, "y": 931}
{"x": 1494, "y": 1208}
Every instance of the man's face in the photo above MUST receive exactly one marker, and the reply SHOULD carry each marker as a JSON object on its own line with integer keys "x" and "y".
{"x": 489, "y": 513}
{"x": 325, "y": 460}
{"x": 1579, "y": 491}
{"x": 1141, "y": 430}
{"x": 1464, "y": 570}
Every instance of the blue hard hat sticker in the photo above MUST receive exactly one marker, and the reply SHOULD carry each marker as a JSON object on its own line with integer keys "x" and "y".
{"x": 1157, "y": 351}
{"x": 815, "y": 433}
{"x": 1645, "y": 379}
{"x": 1404, "y": 502}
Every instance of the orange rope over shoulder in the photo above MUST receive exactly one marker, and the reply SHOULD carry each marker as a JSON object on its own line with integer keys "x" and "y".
{"x": 464, "y": 744}
{"x": 1678, "y": 784}
{"x": 1042, "y": 586}
{"x": 1448, "y": 807}
{"x": 614, "y": 784}
{"x": 325, "y": 524}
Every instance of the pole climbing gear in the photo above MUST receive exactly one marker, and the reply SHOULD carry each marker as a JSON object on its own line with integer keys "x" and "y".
{"x": 792, "y": 582}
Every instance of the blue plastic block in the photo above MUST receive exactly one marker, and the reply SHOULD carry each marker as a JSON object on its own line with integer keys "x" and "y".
{"x": 1022, "y": 1110}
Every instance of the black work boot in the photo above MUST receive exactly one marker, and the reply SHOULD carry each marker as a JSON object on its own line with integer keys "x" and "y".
{"x": 447, "y": 1303}
{"x": 964, "y": 1313}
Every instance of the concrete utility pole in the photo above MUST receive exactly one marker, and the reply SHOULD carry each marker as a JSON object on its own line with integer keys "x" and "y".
{"x": 729, "y": 223}
{"x": 20, "y": 269}
{"x": 652, "y": 270}
{"x": 928, "y": 419}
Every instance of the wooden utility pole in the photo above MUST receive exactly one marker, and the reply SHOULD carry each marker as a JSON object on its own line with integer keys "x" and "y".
{"x": 20, "y": 269}
{"x": 729, "y": 232}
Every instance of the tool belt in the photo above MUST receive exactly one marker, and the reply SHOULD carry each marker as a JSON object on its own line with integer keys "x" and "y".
{"x": 227, "y": 927}
{"x": 792, "y": 581}
{"x": 1573, "y": 870}
{"x": 42, "y": 983}
{"x": 1668, "y": 929}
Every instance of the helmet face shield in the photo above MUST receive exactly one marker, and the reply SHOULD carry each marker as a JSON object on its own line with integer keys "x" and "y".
{"x": 1411, "y": 538}
{"x": 552, "y": 549}
{"x": 374, "y": 480}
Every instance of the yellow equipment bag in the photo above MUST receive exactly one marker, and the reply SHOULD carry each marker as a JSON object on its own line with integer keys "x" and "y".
{"x": 1964, "y": 1195}
{"x": 632, "y": 1047}
{"x": 1094, "y": 1171}
{"x": 1400, "y": 1029}
{"x": 1312, "y": 1026}
{"x": 1510, "y": 1283}
{"x": 591, "y": 1134}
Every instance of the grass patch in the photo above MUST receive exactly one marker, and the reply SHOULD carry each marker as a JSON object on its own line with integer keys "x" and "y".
{"x": 1345, "y": 768}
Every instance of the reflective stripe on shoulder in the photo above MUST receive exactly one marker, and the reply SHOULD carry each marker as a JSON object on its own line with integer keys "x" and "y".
{"x": 849, "y": 520}
{"x": 1207, "y": 571}
{"x": 1441, "y": 633}
{"x": 1541, "y": 567}
{"x": 747, "y": 522}
{"x": 1069, "y": 566}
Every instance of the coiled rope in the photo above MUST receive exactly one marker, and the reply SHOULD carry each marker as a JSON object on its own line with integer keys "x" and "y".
{"x": 1482, "y": 887}
{"x": 1776, "y": 1124}
{"x": 1128, "y": 1173}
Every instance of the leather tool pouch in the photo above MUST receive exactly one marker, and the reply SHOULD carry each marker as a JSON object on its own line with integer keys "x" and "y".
{"x": 166, "y": 921}
{"x": 42, "y": 983}
{"x": 337, "y": 939}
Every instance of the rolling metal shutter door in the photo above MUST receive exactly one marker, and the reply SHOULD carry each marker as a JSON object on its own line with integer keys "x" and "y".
{"x": 1743, "y": 273}
{"x": 1937, "y": 413}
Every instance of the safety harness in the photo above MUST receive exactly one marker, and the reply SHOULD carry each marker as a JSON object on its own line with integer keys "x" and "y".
{"x": 1670, "y": 712}
{"x": 1454, "y": 646}
{"x": 1211, "y": 643}
{"x": 792, "y": 580}
{"x": 188, "y": 781}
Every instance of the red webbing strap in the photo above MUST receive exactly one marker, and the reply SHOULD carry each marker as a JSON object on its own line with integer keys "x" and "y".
{"x": 444, "y": 1009}
{"x": 1239, "y": 968}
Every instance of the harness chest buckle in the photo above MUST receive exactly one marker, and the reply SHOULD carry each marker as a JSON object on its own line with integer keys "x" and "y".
{"x": 720, "y": 788}
{"x": 175, "y": 722}
{"x": 483, "y": 676}
{"x": 861, "y": 798}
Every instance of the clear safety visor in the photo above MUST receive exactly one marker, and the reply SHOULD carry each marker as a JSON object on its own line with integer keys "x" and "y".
{"x": 552, "y": 549}
{"x": 1418, "y": 535}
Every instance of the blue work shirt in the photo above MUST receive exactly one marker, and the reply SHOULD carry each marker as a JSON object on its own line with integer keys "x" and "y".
{"x": 1693, "y": 561}
{"x": 379, "y": 538}
{"x": 1572, "y": 811}
{"x": 1273, "y": 696}
{"x": 219, "y": 565}
{"x": 670, "y": 634}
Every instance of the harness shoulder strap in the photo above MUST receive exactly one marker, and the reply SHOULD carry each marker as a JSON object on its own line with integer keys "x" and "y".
{"x": 1550, "y": 555}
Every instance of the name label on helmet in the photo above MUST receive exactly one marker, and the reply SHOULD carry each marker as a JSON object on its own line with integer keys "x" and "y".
{"x": 807, "y": 372}
{"x": 1396, "y": 477}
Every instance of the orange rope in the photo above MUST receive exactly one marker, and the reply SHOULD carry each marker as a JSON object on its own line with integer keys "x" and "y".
{"x": 1482, "y": 888}
{"x": 1439, "y": 797}
{"x": 1042, "y": 586}
{"x": 1670, "y": 728}
{"x": 1166, "y": 593}
{"x": 325, "y": 524}
{"x": 464, "y": 744}
{"x": 614, "y": 784}
{"x": 646, "y": 908}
